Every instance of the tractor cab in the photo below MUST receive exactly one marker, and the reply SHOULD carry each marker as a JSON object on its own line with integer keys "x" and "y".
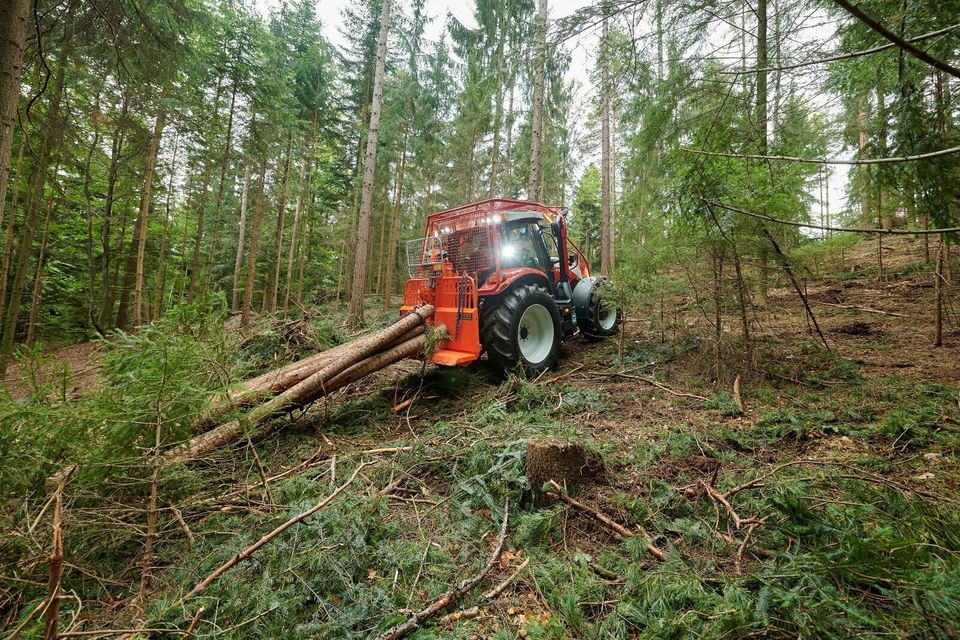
{"x": 504, "y": 278}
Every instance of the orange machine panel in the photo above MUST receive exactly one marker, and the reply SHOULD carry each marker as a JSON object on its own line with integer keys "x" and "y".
{"x": 455, "y": 306}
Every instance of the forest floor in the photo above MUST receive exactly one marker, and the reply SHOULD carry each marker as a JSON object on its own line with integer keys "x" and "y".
{"x": 848, "y": 521}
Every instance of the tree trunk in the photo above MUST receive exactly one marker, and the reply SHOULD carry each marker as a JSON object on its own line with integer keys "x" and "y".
{"x": 38, "y": 275}
{"x": 605, "y": 231}
{"x": 13, "y": 38}
{"x": 88, "y": 206}
{"x": 354, "y": 361}
{"x": 160, "y": 285}
{"x": 145, "y": 211}
{"x": 11, "y": 227}
{"x": 252, "y": 254}
{"x": 761, "y": 117}
{"x": 238, "y": 261}
{"x": 498, "y": 111}
{"x": 306, "y": 174}
{"x": 202, "y": 206}
{"x": 198, "y": 234}
{"x": 395, "y": 224}
{"x": 355, "y": 313}
{"x": 536, "y": 129}
{"x": 938, "y": 294}
{"x": 51, "y": 141}
{"x": 270, "y": 303}
{"x": 106, "y": 289}
{"x": 224, "y": 164}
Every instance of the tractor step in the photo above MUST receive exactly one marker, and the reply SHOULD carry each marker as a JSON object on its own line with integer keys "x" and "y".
{"x": 453, "y": 358}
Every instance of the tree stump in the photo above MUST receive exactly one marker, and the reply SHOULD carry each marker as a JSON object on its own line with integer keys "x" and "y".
{"x": 566, "y": 463}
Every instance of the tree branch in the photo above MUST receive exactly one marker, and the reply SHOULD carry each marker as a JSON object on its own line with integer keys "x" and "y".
{"x": 894, "y": 160}
{"x": 904, "y": 232}
{"x": 916, "y": 52}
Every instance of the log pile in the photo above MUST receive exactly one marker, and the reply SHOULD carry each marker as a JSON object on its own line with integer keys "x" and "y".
{"x": 300, "y": 383}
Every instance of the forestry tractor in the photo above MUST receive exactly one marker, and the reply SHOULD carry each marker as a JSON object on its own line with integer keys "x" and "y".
{"x": 503, "y": 277}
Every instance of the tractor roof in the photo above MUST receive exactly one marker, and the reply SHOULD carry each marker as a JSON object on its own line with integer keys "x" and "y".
{"x": 490, "y": 207}
{"x": 516, "y": 216}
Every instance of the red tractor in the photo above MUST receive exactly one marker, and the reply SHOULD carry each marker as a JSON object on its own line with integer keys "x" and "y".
{"x": 504, "y": 278}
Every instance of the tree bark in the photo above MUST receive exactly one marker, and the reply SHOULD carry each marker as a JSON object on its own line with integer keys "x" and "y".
{"x": 224, "y": 164}
{"x": 254, "y": 241}
{"x": 395, "y": 224}
{"x": 498, "y": 110}
{"x": 606, "y": 257}
{"x": 160, "y": 284}
{"x": 536, "y": 129}
{"x": 145, "y": 210}
{"x": 272, "y": 294}
{"x": 106, "y": 290}
{"x": 238, "y": 261}
{"x": 11, "y": 228}
{"x": 52, "y": 139}
{"x": 306, "y": 175}
{"x": 13, "y": 38}
{"x": 38, "y": 274}
{"x": 355, "y": 312}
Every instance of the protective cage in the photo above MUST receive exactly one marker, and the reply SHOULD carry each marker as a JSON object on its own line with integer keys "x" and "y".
{"x": 424, "y": 256}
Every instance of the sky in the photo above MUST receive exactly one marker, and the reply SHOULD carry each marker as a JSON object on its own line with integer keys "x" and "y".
{"x": 582, "y": 47}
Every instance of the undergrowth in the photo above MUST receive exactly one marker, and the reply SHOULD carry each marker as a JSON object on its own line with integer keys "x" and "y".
{"x": 858, "y": 534}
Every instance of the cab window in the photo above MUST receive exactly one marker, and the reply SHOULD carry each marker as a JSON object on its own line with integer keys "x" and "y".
{"x": 517, "y": 248}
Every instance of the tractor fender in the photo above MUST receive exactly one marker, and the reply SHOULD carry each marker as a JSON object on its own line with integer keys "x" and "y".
{"x": 583, "y": 293}
{"x": 513, "y": 277}
{"x": 593, "y": 318}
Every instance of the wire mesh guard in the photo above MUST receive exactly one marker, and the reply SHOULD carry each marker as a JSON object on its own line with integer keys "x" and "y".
{"x": 423, "y": 254}
{"x": 466, "y": 246}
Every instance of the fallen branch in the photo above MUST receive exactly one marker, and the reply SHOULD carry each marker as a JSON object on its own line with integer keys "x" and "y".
{"x": 738, "y": 561}
{"x": 118, "y": 632}
{"x": 452, "y": 596}
{"x": 606, "y": 520}
{"x": 866, "y": 309}
{"x": 658, "y": 385}
{"x": 500, "y": 588}
{"x": 249, "y": 551}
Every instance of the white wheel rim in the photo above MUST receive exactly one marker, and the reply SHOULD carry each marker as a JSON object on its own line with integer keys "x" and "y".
{"x": 608, "y": 317}
{"x": 535, "y": 333}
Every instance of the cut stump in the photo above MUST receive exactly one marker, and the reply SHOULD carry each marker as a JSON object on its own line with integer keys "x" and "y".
{"x": 566, "y": 463}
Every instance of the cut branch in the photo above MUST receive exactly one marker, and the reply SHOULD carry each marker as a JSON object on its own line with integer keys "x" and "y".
{"x": 606, "y": 520}
{"x": 249, "y": 551}
{"x": 452, "y": 596}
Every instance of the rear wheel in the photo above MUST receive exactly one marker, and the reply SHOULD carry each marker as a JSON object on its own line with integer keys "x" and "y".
{"x": 523, "y": 329}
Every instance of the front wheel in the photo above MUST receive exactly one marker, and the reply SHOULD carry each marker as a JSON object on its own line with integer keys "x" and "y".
{"x": 523, "y": 330}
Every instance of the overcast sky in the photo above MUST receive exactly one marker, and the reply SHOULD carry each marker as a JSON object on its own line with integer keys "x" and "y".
{"x": 583, "y": 48}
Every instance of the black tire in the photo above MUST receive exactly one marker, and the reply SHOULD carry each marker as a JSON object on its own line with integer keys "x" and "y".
{"x": 593, "y": 314}
{"x": 505, "y": 340}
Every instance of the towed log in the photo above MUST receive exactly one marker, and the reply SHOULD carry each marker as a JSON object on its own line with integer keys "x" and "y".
{"x": 279, "y": 380}
{"x": 297, "y": 396}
